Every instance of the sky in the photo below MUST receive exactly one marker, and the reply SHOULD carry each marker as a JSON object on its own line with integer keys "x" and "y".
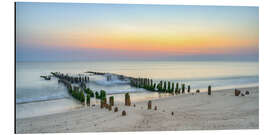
{"x": 88, "y": 31}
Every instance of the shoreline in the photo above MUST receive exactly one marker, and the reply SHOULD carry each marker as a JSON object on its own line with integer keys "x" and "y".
{"x": 138, "y": 96}
{"x": 222, "y": 110}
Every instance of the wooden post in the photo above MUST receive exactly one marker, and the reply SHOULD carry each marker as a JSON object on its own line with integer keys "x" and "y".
{"x": 209, "y": 90}
{"x": 124, "y": 113}
{"x": 183, "y": 88}
{"x": 116, "y": 109}
{"x": 172, "y": 90}
{"x": 127, "y": 99}
{"x": 169, "y": 86}
{"x": 188, "y": 89}
{"x": 102, "y": 102}
{"x": 237, "y": 92}
{"x": 164, "y": 89}
{"x": 111, "y": 100}
{"x": 160, "y": 86}
{"x": 149, "y": 104}
{"x": 176, "y": 89}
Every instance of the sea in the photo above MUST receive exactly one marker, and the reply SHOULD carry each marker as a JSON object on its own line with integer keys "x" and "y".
{"x": 36, "y": 96}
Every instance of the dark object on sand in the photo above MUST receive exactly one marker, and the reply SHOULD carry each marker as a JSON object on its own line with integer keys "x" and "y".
{"x": 237, "y": 92}
{"x": 127, "y": 99}
{"x": 172, "y": 113}
{"x": 209, "y": 90}
{"x": 124, "y": 113}
{"x": 115, "y": 109}
{"x": 103, "y": 103}
{"x": 242, "y": 94}
{"x": 112, "y": 100}
{"x": 188, "y": 89}
{"x": 183, "y": 88}
{"x": 134, "y": 105}
{"x": 155, "y": 108}
{"x": 247, "y": 93}
{"x": 149, "y": 104}
{"x": 197, "y": 91}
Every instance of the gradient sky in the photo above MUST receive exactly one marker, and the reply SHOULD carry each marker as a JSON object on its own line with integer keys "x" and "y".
{"x": 69, "y": 32}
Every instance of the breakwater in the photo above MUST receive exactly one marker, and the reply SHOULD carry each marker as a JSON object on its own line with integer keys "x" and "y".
{"x": 76, "y": 86}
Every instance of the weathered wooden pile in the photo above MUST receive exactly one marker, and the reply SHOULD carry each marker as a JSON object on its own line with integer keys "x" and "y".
{"x": 127, "y": 99}
{"x": 80, "y": 93}
{"x": 209, "y": 90}
{"x": 72, "y": 79}
{"x": 162, "y": 86}
{"x": 150, "y": 85}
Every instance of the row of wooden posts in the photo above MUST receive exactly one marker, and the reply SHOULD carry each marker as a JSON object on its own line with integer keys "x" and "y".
{"x": 81, "y": 93}
{"x": 162, "y": 86}
{"x": 72, "y": 79}
{"x": 145, "y": 83}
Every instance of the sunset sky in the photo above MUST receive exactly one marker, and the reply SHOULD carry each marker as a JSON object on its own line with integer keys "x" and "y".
{"x": 67, "y": 32}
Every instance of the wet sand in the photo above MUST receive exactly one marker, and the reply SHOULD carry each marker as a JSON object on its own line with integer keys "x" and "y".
{"x": 220, "y": 111}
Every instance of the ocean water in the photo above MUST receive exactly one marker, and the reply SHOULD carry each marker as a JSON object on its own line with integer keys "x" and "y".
{"x": 33, "y": 93}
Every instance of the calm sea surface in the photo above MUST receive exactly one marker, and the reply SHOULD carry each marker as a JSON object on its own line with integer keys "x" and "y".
{"x": 36, "y": 96}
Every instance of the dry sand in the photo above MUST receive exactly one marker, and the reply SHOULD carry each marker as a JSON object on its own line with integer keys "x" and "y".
{"x": 222, "y": 110}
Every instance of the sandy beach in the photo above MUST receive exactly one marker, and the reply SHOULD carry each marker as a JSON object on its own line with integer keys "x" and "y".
{"x": 221, "y": 110}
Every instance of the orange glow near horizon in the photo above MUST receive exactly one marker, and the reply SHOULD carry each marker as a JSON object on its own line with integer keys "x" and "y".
{"x": 162, "y": 41}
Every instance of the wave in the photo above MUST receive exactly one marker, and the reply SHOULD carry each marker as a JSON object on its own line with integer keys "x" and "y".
{"x": 113, "y": 80}
{"x": 38, "y": 99}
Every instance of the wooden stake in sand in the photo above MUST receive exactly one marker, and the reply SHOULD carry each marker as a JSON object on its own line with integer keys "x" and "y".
{"x": 149, "y": 105}
{"x": 102, "y": 102}
{"x": 116, "y": 109}
{"x": 127, "y": 99}
{"x": 124, "y": 113}
{"x": 183, "y": 88}
{"x": 237, "y": 92}
{"x": 112, "y": 100}
{"x": 209, "y": 90}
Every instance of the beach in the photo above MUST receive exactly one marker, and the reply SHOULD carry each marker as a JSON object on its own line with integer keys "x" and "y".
{"x": 198, "y": 111}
